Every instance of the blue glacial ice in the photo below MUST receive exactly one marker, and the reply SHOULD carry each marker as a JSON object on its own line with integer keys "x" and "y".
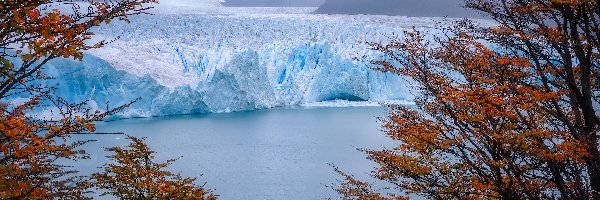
{"x": 202, "y": 62}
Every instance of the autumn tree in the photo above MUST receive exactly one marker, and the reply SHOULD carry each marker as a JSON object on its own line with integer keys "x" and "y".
{"x": 561, "y": 38}
{"x": 353, "y": 188}
{"x": 135, "y": 175}
{"x": 504, "y": 112}
{"x": 32, "y": 33}
{"x": 30, "y": 150}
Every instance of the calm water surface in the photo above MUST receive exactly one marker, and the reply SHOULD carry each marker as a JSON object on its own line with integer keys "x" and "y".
{"x": 268, "y": 154}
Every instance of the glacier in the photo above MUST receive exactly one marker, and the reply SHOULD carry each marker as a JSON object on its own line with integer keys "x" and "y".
{"x": 221, "y": 59}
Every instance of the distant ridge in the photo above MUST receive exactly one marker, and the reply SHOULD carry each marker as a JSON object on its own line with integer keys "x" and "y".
{"x": 411, "y": 8}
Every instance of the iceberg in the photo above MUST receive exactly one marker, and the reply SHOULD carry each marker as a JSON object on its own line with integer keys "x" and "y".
{"x": 235, "y": 59}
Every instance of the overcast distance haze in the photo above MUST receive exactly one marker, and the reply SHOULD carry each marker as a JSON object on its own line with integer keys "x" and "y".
{"x": 413, "y": 8}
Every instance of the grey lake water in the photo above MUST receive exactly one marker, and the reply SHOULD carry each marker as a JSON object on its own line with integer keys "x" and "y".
{"x": 266, "y": 154}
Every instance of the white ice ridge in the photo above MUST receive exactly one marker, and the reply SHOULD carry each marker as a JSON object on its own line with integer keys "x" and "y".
{"x": 233, "y": 59}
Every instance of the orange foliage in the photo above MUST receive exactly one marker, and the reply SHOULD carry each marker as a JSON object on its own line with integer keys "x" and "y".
{"x": 28, "y": 151}
{"x": 514, "y": 122}
{"x": 352, "y": 188}
{"x": 135, "y": 175}
{"x": 34, "y": 32}
{"x": 481, "y": 131}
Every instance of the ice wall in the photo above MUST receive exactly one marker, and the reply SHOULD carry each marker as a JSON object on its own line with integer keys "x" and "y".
{"x": 206, "y": 62}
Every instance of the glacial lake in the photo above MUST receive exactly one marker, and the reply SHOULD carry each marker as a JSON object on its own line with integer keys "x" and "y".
{"x": 266, "y": 154}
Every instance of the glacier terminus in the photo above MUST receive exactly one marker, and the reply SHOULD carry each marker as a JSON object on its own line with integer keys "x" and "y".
{"x": 220, "y": 59}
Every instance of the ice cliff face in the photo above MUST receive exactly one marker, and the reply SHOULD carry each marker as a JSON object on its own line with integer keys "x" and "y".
{"x": 224, "y": 59}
